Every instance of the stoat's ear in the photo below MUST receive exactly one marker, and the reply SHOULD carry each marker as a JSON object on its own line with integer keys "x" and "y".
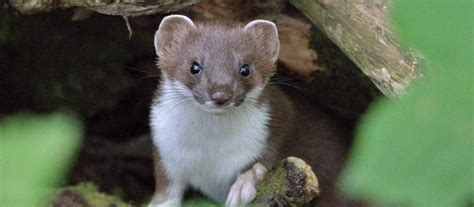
{"x": 266, "y": 34}
{"x": 171, "y": 27}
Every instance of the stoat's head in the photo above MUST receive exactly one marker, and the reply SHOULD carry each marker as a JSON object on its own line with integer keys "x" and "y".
{"x": 218, "y": 66}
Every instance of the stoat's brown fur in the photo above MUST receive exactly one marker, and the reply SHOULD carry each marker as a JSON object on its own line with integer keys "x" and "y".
{"x": 223, "y": 149}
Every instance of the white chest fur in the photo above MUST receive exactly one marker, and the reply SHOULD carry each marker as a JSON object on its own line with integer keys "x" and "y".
{"x": 204, "y": 150}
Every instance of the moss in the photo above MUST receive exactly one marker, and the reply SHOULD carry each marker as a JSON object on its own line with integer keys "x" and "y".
{"x": 88, "y": 195}
{"x": 274, "y": 180}
{"x": 273, "y": 187}
{"x": 290, "y": 183}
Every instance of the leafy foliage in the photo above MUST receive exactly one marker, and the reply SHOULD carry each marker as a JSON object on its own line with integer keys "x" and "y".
{"x": 418, "y": 151}
{"x": 34, "y": 152}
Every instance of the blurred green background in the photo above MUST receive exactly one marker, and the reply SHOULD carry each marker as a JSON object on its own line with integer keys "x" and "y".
{"x": 35, "y": 151}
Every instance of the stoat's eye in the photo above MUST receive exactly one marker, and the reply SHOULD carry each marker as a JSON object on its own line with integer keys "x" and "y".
{"x": 195, "y": 68}
{"x": 244, "y": 70}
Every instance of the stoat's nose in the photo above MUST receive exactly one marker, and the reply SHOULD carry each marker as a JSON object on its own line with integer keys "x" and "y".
{"x": 220, "y": 98}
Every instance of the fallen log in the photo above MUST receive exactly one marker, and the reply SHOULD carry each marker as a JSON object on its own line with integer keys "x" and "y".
{"x": 291, "y": 183}
{"x": 362, "y": 29}
{"x": 109, "y": 7}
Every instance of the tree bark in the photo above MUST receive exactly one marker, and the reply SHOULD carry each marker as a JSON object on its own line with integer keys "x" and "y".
{"x": 363, "y": 31}
{"x": 109, "y": 7}
{"x": 291, "y": 183}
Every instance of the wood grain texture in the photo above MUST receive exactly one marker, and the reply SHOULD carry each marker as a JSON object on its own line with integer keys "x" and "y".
{"x": 109, "y": 7}
{"x": 362, "y": 29}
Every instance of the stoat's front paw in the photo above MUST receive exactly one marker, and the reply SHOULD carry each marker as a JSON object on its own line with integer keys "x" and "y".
{"x": 243, "y": 190}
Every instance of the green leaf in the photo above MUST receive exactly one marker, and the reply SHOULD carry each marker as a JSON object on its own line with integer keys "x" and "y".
{"x": 418, "y": 150}
{"x": 34, "y": 153}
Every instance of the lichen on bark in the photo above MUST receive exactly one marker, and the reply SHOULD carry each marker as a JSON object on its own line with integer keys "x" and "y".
{"x": 291, "y": 183}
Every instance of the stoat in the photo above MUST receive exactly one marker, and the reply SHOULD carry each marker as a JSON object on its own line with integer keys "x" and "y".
{"x": 217, "y": 123}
